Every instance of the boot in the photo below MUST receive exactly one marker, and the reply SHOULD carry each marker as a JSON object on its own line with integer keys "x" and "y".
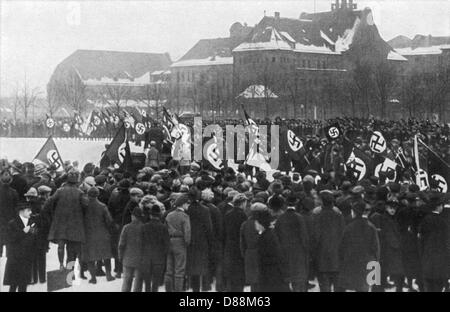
{"x": 93, "y": 280}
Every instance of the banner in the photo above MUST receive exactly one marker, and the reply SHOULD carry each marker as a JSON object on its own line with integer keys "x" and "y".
{"x": 49, "y": 155}
{"x": 115, "y": 153}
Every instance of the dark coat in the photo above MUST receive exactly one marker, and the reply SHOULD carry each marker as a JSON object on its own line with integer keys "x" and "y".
{"x": 434, "y": 251}
{"x": 8, "y": 202}
{"x": 328, "y": 227}
{"x": 216, "y": 251}
{"x": 272, "y": 272}
{"x": 130, "y": 244}
{"x": 359, "y": 246}
{"x": 19, "y": 249}
{"x": 97, "y": 224}
{"x": 19, "y": 183}
{"x": 104, "y": 195}
{"x": 68, "y": 221}
{"x": 128, "y": 210}
{"x": 117, "y": 203}
{"x": 292, "y": 234}
{"x": 390, "y": 243}
{"x": 42, "y": 222}
{"x": 201, "y": 237}
{"x": 408, "y": 220}
{"x": 155, "y": 244}
{"x": 446, "y": 216}
{"x": 249, "y": 250}
{"x": 233, "y": 260}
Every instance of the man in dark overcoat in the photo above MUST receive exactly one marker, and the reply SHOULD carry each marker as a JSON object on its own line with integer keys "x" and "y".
{"x": 360, "y": 246}
{"x": 8, "y": 201}
{"x": 328, "y": 227}
{"x": 233, "y": 261}
{"x": 201, "y": 239}
{"x": 155, "y": 246}
{"x": 433, "y": 246}
{"x": 20, "y": 240}
{"x": 293, "y": 236}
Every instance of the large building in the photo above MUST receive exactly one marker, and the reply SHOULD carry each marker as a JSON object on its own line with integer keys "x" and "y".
{"x": 426, "y": 76}
{"x": 90, "y": 79}
{"x": 288, "y": 67}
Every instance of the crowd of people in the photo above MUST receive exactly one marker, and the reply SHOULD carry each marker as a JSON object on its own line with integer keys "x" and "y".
{"x": 185, "y": 226}
{"x": 202, "y": 231}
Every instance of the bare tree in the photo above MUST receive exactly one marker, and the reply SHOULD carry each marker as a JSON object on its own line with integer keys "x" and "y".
{"x": 413, "y": 94}
{"x": 385, "y": 78}
{"x": 69, "y": 90}
{"x": 115, "y": 95}
{"x": 27, "y": 98}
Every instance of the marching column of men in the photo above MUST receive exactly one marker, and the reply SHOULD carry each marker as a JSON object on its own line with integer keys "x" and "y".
{"x": 225, "y": 231}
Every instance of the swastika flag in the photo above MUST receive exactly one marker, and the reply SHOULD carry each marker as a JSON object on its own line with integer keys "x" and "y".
{"x": 49, "y": 155}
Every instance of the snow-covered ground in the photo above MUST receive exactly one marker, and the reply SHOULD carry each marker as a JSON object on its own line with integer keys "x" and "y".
{"x": 81, "y": 150}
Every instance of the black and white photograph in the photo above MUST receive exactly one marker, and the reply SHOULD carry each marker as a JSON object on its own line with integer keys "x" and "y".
{"x": 210, "y": 146}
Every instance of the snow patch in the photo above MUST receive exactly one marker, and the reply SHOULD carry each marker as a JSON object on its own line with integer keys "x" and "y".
{"x": 204, "y": 62}
{"x": 324, "y": 36}
{"x": 343, "y": 43}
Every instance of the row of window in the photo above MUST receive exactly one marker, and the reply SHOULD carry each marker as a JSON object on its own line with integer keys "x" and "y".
{"x": 305, "y": 63}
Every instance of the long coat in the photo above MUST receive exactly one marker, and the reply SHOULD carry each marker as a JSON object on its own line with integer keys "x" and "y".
{"x": 97, "y": 223}
{"x": 272, "y": 272}
{"x": 359, "y": 246}
{"x": 216, "y": 252}
{"x": 292, "y": 234}
{"x": 8, "y": 201}
{"x": 408, "y": 219}
{"x": 249, "y": 250}
{"x": 328, "y": 227}
{"x": 68, "y": 220}
{"x": 130, "y": 244}
{"x": 19, "y": 249}
{"x": 201, "y": 235}
{"x": 390, "y": 243}
{"x": 155, "y": 244}
{"x": 433, "y": 233}
{"x": 233, "y": 260}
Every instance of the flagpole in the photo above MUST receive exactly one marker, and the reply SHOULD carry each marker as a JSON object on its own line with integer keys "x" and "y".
{"x": 434, "y": 153}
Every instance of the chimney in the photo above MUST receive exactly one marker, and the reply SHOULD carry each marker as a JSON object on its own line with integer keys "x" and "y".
{"x": 277, "y": 15}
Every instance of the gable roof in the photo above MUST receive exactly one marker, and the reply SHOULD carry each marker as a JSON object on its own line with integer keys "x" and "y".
{"x": 97, "y": 64}
{"x": 205, "y": 48}
{"x": 331, "y": 32}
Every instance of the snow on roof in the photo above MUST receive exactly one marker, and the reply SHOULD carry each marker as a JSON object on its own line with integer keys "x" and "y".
{"x": 324, "y": 36}
{"x": 422, "y": 50}
{"x": 394, "y": 56}
{"x": 313, "y": 49}
{"x": 209, "y": 61}
{"x": 119, "y": 81}
{"x": 343, "y": 43}
{"x": 157, "y": 72}
{"x": 257, "y": 91}
{"x": 287, "y": 36}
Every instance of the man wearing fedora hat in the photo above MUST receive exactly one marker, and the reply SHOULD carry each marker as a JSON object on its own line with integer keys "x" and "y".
{"x": 20, "y": 240}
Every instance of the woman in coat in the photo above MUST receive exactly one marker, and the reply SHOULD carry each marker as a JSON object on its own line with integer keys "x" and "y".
{"x": 234, "y": 272}
{"x": 67, "y": 226}
{"x": 201, "y": 236}
{"x": 98, "y": 223}
{"x": 359, "y": 246}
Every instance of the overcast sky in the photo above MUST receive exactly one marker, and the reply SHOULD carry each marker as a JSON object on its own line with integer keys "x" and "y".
{"x": 37, "y": 35}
